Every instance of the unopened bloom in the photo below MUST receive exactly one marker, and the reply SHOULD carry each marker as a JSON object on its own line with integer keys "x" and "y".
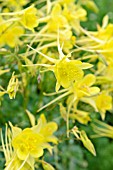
{"x": 82, "y": 136}
{"x": 12, "y": 87}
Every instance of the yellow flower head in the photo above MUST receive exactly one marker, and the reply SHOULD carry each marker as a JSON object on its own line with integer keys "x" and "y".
{"x": 39, "y": 134}
{"x": 11, "y": 36}
{"x": 21, "y": 147}
{"x": 28, "y": 143}
{"x": 28, "y": 18}
{"x": 57, "y": 20}
{"x": 104, "y": 103}
{"x": 84, "y": 87}
{"x": 66, "y": 71}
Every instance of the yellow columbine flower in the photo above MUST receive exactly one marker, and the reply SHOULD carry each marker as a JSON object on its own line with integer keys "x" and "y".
{"x": 84, "y": 87}
{"x": 57, "y": 20}
{"x": 21, "y": 147}
{"x": 66, "y": 71}
{"x": 12, "y": 160}
{"x": 28, "y": 143}
{"x": 28, "y": 18}
{"x": 104, "y": 103}
{"x": 78, "y": 90}
{"x": 100, "y": 41}
{"x": 74, "y": 14}
{"x": 12, "y": 35}
{"x": 39, "y": 134}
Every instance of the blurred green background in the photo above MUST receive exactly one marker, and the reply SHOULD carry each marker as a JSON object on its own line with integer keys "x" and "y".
{"x": 69, "y": 154}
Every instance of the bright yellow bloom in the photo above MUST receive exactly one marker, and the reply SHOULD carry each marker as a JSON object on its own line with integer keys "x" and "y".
{"x": 84, "y": 87}
{"x": 103, "y": 103}
{"x": 66, "y": 71}
{"x": 28, "y": 143}
{"x": 11, "y": 36}
{"x": 74, "y": 14}
{"x": 79, "y": 90}
{"x": 9, "y": 33}
{"x": 39, "y": 134}
{"x": 28, "y": 18}
{"x": 100, "y": 41}
{"x": 22, "y": 147}
{"x": 57, "y": 20}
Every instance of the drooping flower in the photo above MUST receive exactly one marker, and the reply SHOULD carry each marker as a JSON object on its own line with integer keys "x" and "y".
{"x": 81, "y": 116}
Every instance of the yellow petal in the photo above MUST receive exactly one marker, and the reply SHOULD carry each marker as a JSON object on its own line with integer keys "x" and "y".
{"x": 22, "y": 152}
{"x": 47, "y": 166}
{"x": 43, "y": 119}
{"x": 94, "y": 90}
{"x": 31, "y": 117}
{"x": 89, "y": 80}
{"x": 38, "y": 152}
{"x": 52, "y": 139}
{"x": 49, "y": 129}
{"x": 56, "y": 10}
{"x": 15, "y": 130}
{"x": 85, "y": 66}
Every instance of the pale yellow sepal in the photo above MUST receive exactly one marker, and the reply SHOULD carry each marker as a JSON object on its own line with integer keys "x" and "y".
{"x": 47, "y": 166}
